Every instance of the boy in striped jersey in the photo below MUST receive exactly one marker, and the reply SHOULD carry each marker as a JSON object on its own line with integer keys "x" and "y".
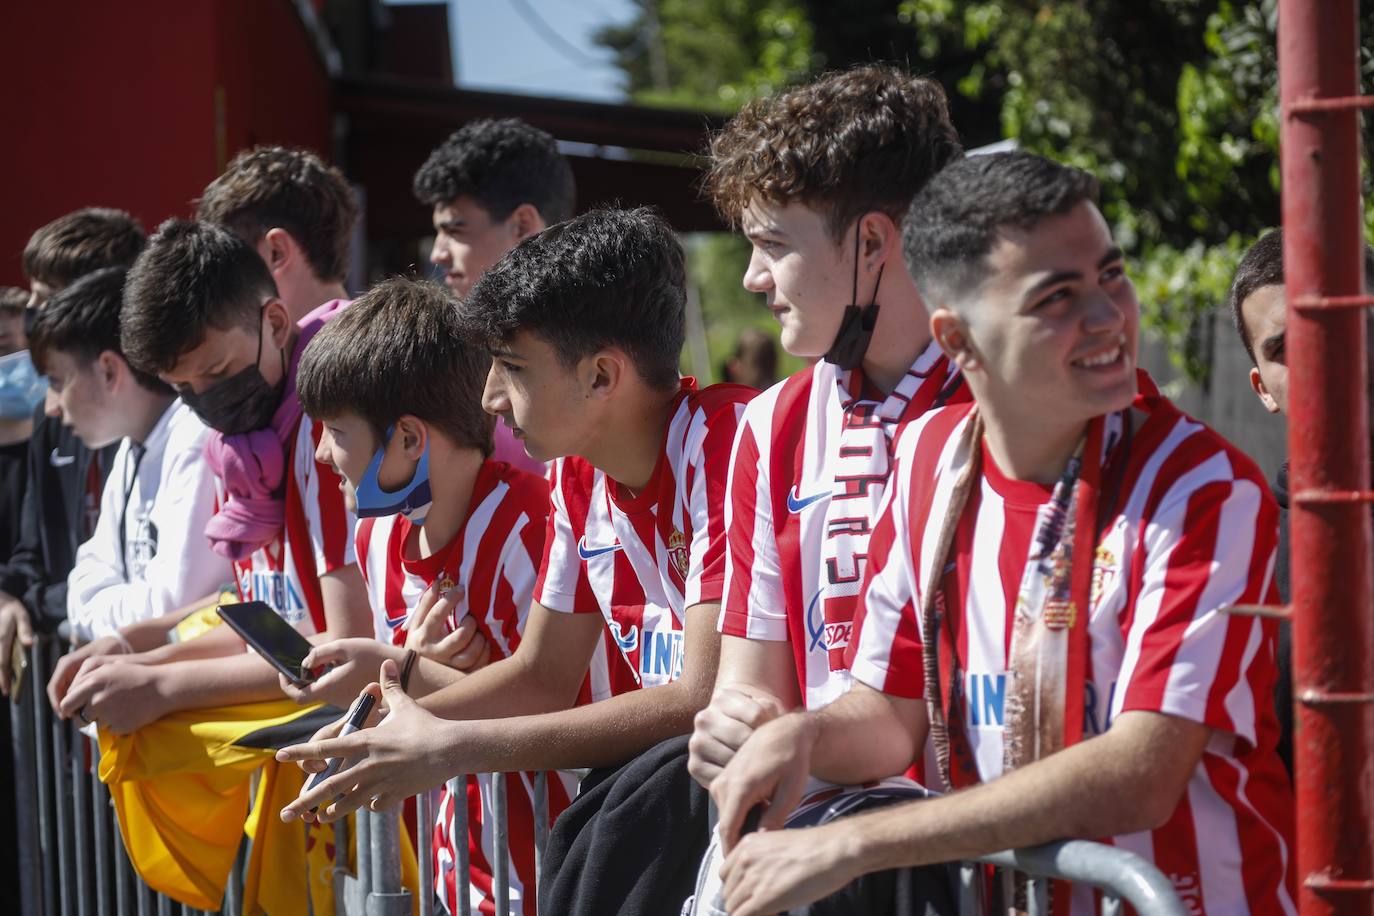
{"x": 1049, "y": 592}
{"x": 398, "y": 393}
{"x": 812, "y": 459}
{"x": 585, "y": 322}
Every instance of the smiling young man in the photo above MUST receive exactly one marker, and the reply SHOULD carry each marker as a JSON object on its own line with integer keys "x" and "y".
{"x": 202, "y": 312}
{"x": 586, "y": 324}
{"x": 1048, "y": 592}
{"x": 823, "y": 212}
{"x": 148, "y": 555}
{"x": 398, "y": 392}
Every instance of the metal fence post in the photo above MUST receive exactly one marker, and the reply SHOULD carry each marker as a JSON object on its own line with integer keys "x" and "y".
{"x": 458, "y": 790}
{"x": 387, "y": 897}
{"x": 541, "y": 824}
{"x": 500, "y": 865}
{"x": 424, "y": 849}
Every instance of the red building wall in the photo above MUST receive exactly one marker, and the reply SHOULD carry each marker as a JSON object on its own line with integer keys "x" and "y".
{"x": 139, "y": 105}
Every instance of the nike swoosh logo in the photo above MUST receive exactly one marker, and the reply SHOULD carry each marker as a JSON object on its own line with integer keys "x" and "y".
{"x": 60, "y": 461}
{"x": 586, "y": 553}
{"x": 796, "y": 505}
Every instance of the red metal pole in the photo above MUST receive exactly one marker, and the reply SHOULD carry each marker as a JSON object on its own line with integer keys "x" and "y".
{"x": 1329, "y": 455}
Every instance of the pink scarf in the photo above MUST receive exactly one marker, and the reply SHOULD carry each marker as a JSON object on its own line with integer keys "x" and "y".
{"x": 252, "y": 466}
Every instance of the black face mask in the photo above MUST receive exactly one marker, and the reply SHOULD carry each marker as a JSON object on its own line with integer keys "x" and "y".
{"x": 243, "y": 402}
{"x": 856, "y": 328}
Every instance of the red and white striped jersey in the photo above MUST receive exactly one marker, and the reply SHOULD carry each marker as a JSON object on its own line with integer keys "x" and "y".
{"x": 494, "y": 557}
{"x": 316, "y": 539}
{"x": 642, "y": 560}
{"x": 801, "y": 508}
{"x": 1190, "y": 530}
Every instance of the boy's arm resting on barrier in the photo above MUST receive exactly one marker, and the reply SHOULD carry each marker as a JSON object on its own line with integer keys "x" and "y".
{"x": 421, "y": 750}
{"x": 756, "y": 682}
{"x": 124, "y": 696}
{"x": 346, "y": 609}
{"x": 1126, "y": 780}
{"x": 864, "y": 735}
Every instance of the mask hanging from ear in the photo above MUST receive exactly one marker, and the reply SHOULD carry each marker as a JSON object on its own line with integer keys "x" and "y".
{"x": 856, "y": 328}
{"x": 412, "y": 500}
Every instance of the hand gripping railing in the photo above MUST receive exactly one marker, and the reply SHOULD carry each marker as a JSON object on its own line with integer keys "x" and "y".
{"x": 1122, "y": 875}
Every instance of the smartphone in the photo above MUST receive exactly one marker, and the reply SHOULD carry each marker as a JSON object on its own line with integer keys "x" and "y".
{"x": 357, "y": 717}
{"x": 271, "y": 637}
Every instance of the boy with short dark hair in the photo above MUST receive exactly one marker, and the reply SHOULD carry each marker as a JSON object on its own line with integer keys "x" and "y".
{"x": 1048, "y": 602}
{"x": 491, "y": 184}
{"x": 297, "y": 212}
{"x": 585, "y": 322}
{"x": 202, "y": 312}
{"x": 148, "y": 555}
{"x": 399, "y": 395}
{"x": 73, "y": 245}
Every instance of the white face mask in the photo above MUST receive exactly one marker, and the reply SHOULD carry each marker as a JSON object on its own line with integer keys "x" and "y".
{"x": 21, "y": 387}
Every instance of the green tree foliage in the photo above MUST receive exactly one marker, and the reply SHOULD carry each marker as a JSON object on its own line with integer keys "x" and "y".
{"x": 1173, "y": 104}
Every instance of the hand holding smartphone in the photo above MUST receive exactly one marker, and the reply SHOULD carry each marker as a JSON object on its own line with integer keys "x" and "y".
{"x": 357, "y": 718}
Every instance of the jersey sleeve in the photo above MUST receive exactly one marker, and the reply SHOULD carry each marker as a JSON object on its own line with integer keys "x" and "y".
{"x": 1207, "y": 546}
{"x": 885, "y": 652}
{"x": 710, "y": 451}
{"x": 327, "y": 517}
{"x": 562, "y": 583}
{"x": 753, "y": 605}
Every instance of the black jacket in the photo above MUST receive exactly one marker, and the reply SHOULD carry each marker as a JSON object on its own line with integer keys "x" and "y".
{"x": 55, "y": 519}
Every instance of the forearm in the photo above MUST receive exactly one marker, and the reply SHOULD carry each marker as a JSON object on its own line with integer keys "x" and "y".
{"x": 1090, "y": 790}
{"x": 845, "y": 750}
{"x": 224, "y": 681}
{"x": 508, "y": 687}
{"x": 606, "y": 733}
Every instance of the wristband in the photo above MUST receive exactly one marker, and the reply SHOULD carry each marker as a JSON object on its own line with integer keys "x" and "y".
{"x": 406, "y": 665}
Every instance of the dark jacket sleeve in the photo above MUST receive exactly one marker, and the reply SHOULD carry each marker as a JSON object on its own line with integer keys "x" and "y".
{"x": 26, "y": 576}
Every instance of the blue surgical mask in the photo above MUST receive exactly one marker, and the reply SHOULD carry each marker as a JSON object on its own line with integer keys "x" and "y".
{"x": 21, "y": 387}
{"x": 412, "y": 500}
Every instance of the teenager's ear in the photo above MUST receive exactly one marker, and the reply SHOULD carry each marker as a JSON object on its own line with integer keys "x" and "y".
{"x": 413, "y": 434}
{"x": 606, "y": 371}
{"x": 951, "y": 334}
{"x": 879, "y": 239}
{"x": 1267, "y": 399}
{"x": 277, "y": 322}
{"x": 111, "y": 369}
{"x": 278, "y": 249}
{"x": 525, "y": 221}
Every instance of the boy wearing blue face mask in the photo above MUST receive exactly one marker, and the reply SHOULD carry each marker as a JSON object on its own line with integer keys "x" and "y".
{"x": 398, "y": 394}
{"x": 21, "y": 391}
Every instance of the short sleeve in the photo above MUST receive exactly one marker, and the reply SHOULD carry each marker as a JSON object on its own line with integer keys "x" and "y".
{"x": 709, "y": 451}
{"x": 753, "y": 605}
{"x": 562, "y": 583}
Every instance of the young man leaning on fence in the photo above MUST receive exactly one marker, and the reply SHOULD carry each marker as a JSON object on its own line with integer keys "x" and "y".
{"x": 585, "y": 322}
{"x": 398, "y": 393}
{"x": 1073, "y": 535}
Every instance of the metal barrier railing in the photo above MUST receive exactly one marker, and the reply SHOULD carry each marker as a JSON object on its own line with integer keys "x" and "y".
{"x": 1122, "y": 875}
{"x": 81, "y": 867}
{"x": 64, "y": 812}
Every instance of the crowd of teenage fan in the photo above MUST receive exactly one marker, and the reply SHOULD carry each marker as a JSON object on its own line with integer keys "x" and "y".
{"x": 959, "y": 586}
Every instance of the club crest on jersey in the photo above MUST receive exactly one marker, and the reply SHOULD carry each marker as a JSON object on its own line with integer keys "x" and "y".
{"x": 677, "y": 552}
{"x": 1104, "y": 574}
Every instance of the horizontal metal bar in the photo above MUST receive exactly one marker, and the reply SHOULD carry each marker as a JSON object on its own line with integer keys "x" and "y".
{"x": 1274, "y": 611}
{"x": 1324, "y": 698}
{"x": 1330, "y": 103}
{"x": 1120, "y": 873}
{"x": 1330, "y": 303}
{"x": 1333, "y": 497}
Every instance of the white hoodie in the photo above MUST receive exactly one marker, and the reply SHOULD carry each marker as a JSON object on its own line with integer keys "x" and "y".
{"x": 163, "y": 494}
